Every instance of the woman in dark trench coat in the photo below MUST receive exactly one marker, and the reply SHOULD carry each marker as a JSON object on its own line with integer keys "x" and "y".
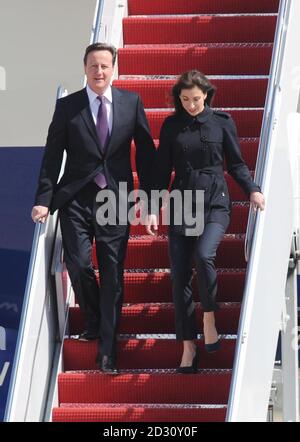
{"x": 194, "y": 141}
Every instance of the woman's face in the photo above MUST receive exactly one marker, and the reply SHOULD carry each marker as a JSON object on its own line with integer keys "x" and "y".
{"x": 193, "y": 100}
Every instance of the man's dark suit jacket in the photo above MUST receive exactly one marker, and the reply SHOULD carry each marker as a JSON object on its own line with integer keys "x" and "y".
{"x": 73, "y": 129}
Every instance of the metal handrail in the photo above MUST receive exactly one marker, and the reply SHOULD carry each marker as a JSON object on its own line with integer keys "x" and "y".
{"x": 97, "y": 21}
{"x": 38, "y": 232}
{"x": 264, "y": 144}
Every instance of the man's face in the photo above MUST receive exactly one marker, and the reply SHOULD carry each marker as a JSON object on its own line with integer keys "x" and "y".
{"x": 99, "y": 70}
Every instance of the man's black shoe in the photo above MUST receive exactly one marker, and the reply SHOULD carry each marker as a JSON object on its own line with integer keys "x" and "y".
{"x": 88, "y": 336}
{"x": 107, "y": 366}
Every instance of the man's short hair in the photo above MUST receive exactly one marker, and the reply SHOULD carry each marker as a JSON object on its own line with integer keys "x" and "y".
{"x": 101, "y": 47}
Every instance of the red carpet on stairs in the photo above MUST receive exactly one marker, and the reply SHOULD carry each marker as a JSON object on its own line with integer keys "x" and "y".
{"x": 158, "y": 318}
{"x": 211, "y": 58}
{"x": 149, "y": 252}
{"x": 240, "y": 92}
{"x": 146, "y": 386}
{"x": 138, "y": 413}
{"x": 231, "y": 41}
{"x": 155, "y": 286}
{"x": 193, "y": 29}
{"x": 155, "y": 7}
{"x": 145, "y": 354}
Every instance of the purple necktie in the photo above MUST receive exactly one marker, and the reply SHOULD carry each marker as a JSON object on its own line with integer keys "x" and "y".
{"x": 103, "y": 133}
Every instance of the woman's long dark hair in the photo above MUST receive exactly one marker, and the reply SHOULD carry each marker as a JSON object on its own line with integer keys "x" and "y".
{"x": 188, "y": 80}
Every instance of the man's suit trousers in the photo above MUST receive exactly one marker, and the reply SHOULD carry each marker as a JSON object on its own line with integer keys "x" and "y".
{"x": 101, "y": 305}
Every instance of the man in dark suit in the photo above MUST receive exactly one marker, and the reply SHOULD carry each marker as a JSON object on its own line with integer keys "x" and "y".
{"x": 95, "y": 126}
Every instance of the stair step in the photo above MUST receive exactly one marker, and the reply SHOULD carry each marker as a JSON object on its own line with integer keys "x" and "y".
{"x": 249, "y": 149}
{"x": 156, "y": 286}
{"x": 159, "y": 318}
{"x": 145, "y": 252}
{"x": 248, "y": 121}
{"x": 152, "y": 386}
{"x": 145, "y": 354}
{"x": 251, "y": 59}
{"x": 154, "y": 255}
{"x": 198, "y": 29}
{"x": 239, "y": 92}
{"x": 146, "y": 7}
{"x": 97, "y": 412}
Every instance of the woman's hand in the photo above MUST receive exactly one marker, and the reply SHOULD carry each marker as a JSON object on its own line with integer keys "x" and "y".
{"x": 151, "y": 224}
{"x": 257, "y": 201}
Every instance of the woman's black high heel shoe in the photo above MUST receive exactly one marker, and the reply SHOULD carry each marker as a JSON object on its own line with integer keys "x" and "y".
{"x": 211, "y": 348}
{"x": 191, "y": 369}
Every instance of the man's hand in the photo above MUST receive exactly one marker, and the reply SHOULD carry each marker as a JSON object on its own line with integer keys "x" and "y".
{"x": 151, "y": 224}
{"x": 39, "y": 214}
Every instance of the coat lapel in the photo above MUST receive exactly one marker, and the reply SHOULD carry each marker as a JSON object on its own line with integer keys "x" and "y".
{"x": 117, "y": 109}
{"x": 88, "y": 119}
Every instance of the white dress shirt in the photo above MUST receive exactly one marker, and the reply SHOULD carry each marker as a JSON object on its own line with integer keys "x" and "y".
{"x": 95, "y": 103}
